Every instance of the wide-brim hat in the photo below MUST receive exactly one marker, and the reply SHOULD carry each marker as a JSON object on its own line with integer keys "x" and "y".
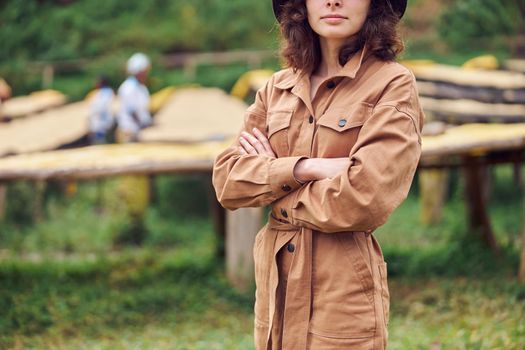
{"x": 399, "y": 6}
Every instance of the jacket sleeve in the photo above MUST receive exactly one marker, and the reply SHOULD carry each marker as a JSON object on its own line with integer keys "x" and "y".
{"x": 382, "y": 165}
{"x": 252, "y": 181}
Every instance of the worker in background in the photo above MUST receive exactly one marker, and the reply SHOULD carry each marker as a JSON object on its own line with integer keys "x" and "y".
{"x": 5, "y": 91}
{"x": 134, "y": 190}
{"x": 134, "y": 99}
{"x": 101, "y": 115}
{"x": 5, "y": 94}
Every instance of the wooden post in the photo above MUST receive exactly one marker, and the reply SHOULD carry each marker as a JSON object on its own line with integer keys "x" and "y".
{"x": 3, "y": 200}
{"x": 433, "y": 186}
{"x": 241, "y": 227}
{"x": 38, "y": 201}
{"x": 476, "y": 201}
{"x": 48, "y": 75}
{"x": 521, "y": 273}
{"x": 218, "y": 215}
{"x": 190, "y": 70}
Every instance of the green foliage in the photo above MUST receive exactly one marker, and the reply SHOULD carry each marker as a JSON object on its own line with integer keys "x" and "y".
{"x": 95, "y": 219}
{"x": 183, "y": 196}
{"x": 473, "y": 24}
{"x": 39, "y": 30}
{"x": 107, "y": 32}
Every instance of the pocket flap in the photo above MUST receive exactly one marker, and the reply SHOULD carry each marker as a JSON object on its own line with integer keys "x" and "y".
{"x": 341, "y": 119}
{"x": 278, "y": 121}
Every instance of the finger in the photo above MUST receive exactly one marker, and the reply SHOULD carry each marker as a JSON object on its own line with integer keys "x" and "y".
{"x": 254, "y": 142}
{"x": 263, "y": 140}
{"x": 242, "y": 151}
{"x": 247, "y": 146}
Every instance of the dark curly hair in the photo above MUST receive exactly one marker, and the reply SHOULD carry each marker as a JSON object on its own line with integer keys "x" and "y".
{"x": 301, "y": 48}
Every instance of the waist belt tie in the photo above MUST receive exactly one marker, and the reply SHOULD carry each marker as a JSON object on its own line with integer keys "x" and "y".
{"x": 299, "y": 286}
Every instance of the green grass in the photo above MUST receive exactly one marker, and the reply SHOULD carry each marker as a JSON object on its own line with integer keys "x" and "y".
{"x": 66, "y": 284}
{"x": 457, "y": 313}
{"x": 121, "y": 301}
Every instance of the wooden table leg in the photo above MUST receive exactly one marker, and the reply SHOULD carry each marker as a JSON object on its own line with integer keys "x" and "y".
{"x": 3, "y": 200}
{"x": 433, "y": 186}
{"x": 39, "y": 187}
{"x": 241, "y": 227}
{"x": 218, "y": 214}
{"x": 521, "y": 273}
{"x": 476, "y": 201}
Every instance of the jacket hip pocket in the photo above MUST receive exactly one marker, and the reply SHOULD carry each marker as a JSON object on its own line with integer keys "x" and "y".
{"x": 319, "y": 342}
{"x": 343, "y": 289}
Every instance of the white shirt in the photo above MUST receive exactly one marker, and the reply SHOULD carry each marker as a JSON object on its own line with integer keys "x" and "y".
{"x": 134, "y": 100}
{"x": 101, "y": 118}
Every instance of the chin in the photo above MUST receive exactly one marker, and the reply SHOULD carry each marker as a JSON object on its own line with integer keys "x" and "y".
{"x": 336, "y": 34}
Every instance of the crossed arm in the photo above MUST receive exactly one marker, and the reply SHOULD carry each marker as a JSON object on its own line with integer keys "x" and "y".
{"x": 308, "y": 169}
{"x": 355, "y": 193}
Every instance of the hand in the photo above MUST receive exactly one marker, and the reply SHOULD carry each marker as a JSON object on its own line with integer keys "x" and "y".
{"x": 256, "y": 144}
{"x": 320, "y": 168}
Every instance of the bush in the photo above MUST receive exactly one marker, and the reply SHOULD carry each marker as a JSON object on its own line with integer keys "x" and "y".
{"x": 473, "y": 24}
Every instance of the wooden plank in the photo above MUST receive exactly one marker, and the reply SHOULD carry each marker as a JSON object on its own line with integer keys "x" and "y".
{"x": 517, "y": 65}
{"x": 216, "y": 58}
{"x": 110, "y": 160}
{"x": 469, "y": 111}
{"x": 241, "y": 227}
{"x": 474, "y": 139}
{"x": 445, "y": 90}
{"x": 45, "y": 131}
{"x": 36, "y": 102}
{"x": 469, "y": 77}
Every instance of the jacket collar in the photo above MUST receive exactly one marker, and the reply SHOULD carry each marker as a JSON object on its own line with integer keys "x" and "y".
{"x": 349, "y": 70}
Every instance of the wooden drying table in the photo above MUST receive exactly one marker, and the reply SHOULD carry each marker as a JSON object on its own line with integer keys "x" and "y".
{"x": 473, "y": 146}
{"x": 102, "y": 161}
{"x": 35, "y": 102}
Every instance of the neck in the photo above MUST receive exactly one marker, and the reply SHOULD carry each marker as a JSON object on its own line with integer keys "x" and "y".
{"x": 329, "y": 65}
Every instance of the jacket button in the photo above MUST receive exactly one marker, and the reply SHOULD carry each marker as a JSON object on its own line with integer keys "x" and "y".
{"x": 331, "y": 84}
{"x": 342, "y": 122}
{"x": 291, "y": 247}
{"x": 284, "y": 213}
{"x": 311, "y": 120}
{"x": 286, "y": 188}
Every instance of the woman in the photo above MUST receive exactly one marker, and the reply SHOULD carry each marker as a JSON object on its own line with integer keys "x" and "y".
{"x": 332, "y": 144}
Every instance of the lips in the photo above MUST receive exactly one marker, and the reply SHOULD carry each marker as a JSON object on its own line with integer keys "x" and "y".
{"x": 334, "y": 16}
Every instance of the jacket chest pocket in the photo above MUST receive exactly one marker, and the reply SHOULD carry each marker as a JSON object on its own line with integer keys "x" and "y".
{"x": 338, "y": 129}
{"x": 278, "y": 125}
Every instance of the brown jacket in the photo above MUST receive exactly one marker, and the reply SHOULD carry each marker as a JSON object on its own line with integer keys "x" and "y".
{"x": 320, "y": 274}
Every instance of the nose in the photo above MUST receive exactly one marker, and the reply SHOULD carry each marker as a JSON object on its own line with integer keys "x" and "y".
{"x": 333, "y": 3}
